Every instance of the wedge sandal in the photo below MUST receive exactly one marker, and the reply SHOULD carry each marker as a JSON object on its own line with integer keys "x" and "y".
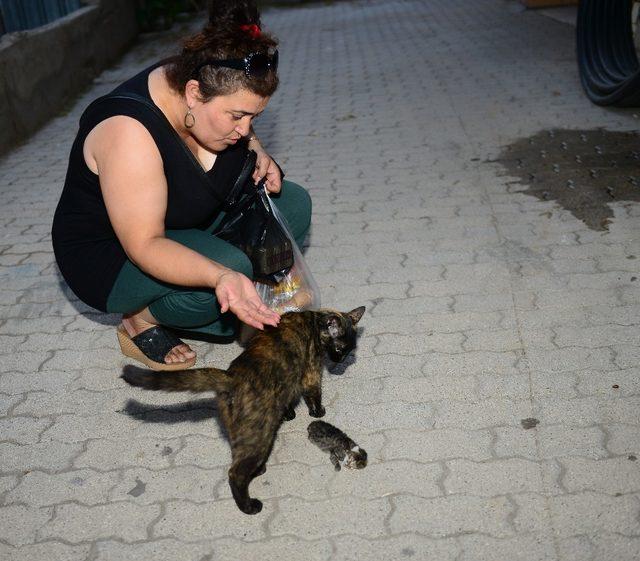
{"x": 151, "y": 346}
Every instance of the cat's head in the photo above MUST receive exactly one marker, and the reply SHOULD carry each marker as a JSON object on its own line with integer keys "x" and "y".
{"x": 338, "y": 332}
{"x": 356, "y": 458}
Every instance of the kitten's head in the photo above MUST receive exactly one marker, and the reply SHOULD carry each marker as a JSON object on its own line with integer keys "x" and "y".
{"x": 338, "y": 332}
{"x": 356, "y": 458}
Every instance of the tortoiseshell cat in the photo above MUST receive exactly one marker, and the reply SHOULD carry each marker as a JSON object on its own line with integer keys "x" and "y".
{"x": 262, "y": 386}
{"x": 331, "y": 439}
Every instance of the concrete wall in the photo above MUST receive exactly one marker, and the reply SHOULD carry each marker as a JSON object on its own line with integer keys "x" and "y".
{"x": 42, "y": 68}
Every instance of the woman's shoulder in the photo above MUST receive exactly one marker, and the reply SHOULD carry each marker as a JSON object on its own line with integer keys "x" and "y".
{"x": 119, "y": 136}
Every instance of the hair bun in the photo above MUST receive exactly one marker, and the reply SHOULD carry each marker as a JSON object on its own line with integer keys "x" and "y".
{"x": 229, "y": 15}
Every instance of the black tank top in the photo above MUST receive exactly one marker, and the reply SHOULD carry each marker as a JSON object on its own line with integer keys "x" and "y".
{"x": 86, "y": 248}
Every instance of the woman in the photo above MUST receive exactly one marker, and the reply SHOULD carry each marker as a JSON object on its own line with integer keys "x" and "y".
{"x": 148, "y": 173}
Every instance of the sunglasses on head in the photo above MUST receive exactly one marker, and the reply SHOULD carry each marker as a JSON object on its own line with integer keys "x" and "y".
{"x": 255, "y": 65}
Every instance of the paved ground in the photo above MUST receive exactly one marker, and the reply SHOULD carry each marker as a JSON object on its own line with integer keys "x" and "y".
{"x": 485, "y": 307}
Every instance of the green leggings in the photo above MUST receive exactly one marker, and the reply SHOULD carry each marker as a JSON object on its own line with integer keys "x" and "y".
{"x": 197, "y": 309}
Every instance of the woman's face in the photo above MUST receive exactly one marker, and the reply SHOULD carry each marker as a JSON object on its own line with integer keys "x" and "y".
{"x": 223, "y": 120}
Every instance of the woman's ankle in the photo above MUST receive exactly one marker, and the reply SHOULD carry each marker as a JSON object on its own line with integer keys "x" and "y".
{"x": 136, "y": 324}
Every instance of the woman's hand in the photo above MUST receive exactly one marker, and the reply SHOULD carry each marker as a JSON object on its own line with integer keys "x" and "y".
{"x": 266, "y": 167}
{"x": 237, "y": 293}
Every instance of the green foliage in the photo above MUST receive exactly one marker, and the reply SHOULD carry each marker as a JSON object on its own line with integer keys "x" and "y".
{"x": 154, "y": 15}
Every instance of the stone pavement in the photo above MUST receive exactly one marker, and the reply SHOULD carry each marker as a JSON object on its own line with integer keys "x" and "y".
{"x": 496, "y": 386}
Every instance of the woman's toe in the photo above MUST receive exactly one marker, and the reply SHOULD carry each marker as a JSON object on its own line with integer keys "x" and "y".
{"x": 182, "y": 353}
{"x": 186, "y": 351}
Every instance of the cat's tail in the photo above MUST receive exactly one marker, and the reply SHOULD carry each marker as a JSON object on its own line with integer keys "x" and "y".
{"x": 195, "y": 380}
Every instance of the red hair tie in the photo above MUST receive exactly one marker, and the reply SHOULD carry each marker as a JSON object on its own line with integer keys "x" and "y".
{"x": 252, "y": 30}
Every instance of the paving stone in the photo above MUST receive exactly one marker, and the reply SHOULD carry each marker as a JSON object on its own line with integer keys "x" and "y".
{"x": 20, "y": 523}
{"x": 612, "y": 383}
{"x": 22, "y": 430}
{"x": 615, "y": 547}
{"x": 7, "y": 482}
{"x": 155, "y": 486}
{"x": 515, "y": 442}
{"x": 74, "y": 523}
{"x": 521, "y": 548}
{"x": 469, "y": 363}
{"x": 395, "y": 415}
{"x": 420, "y": 343}
{"x": 613, "y": 476}
{"x": 82, "y": 486}
{"x": 111, "y": 550}
{"x": 481, "y": 414}
{"x": 560, "y": 384}
{"x": 303, "y": 518}
{"x": 594, "y": 513}
{"x": 189, "y": 521}
{"x": 623, "y": 439}
{"x": 42, "y": 456}
{"x": 51, "y": 551}
{"x": 286, "y": 547}
{"x": 410, "y": 546}
{"x": 452, "y": 515}
{"x": 106, "y": 454}
{"x": 19, "y": 383}
{"x": 388, "y": 478}
{"x": 495, "y": 341}
{"x": 576, "y": 548}
{"x": 411, "y": 306}
{"x": 589, "y": 410}
{"x": 560, "y": 440}
{"x": 493, "y": 477}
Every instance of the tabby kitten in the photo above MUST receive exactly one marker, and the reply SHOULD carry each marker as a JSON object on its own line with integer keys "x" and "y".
{"x": 262, "y": 386}
{"x": 331, "y": 439}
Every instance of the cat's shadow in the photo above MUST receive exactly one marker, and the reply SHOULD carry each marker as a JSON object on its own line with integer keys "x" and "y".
{"x": 193, "y": 411}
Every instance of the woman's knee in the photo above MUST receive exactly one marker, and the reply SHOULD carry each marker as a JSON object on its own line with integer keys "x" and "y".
{"x": 214, "y": 248}
{"x": 184, "y": 309}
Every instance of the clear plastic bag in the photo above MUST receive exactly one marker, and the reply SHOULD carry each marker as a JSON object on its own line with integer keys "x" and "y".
{"x": 294, "y": 290}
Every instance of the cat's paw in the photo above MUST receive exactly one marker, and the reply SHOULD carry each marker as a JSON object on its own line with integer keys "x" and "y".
{"x": 289, "y": 414}
{"x": 318, "y": 412}
{"x": 254, "y": 507}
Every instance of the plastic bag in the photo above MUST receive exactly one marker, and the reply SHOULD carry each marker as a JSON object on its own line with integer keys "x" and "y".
{"x": 293, "y": 290}
{"x": 251, "y": 226}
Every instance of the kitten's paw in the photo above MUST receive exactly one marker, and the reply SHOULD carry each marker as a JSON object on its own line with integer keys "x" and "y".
{"x": 255, "y": 506}
{"x": 337, "y": 467}
{"x": 289, "y": 414}
{"x": 318, "y": 412}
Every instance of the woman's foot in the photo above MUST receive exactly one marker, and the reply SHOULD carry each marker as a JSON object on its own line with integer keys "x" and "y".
{"x": 134, "y": 325}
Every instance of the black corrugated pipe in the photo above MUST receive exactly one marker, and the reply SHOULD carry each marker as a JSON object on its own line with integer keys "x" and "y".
{"x": 607, "y": 56}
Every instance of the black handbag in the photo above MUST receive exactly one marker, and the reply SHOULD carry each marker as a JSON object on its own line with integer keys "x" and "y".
{"x": 250, "y": 225}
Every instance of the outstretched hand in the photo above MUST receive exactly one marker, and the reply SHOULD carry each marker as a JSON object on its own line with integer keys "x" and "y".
{"x": 235, "y": 292}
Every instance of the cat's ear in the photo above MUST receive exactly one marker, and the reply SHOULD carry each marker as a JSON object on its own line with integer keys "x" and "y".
{"x": 355, "y": 315}
{"x": 333, "y": 326}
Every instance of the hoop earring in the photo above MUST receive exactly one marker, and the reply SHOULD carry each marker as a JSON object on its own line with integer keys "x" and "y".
{"x": 189, "y": 119}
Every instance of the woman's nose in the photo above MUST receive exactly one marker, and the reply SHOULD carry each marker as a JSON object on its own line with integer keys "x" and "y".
{"x": 244, "y": 128}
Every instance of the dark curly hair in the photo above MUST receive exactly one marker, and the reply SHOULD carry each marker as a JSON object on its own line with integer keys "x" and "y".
{"x": 223, "y": 38}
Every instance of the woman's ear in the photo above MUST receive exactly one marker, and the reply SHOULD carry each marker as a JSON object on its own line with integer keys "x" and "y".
{"x": 192, "y": 92}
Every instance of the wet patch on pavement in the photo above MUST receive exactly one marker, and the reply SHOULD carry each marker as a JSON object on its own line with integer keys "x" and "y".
{"x": 139, "y": 489}
{"x": 581, "y": 170}
{"x": 529, "y": 423}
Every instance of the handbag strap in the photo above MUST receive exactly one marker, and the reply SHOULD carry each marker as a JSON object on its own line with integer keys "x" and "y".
{"x": 238, "y": 188}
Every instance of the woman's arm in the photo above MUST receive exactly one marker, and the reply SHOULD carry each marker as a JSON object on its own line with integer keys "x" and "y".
{"x": 135, "y": 194}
